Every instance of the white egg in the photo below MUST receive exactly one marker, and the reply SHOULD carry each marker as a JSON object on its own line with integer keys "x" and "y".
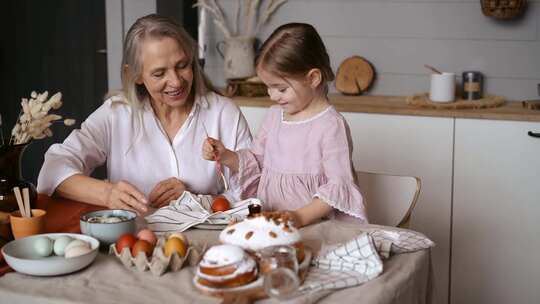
{"x": 76, "y": 251}
{"x": 43, "y": 246}
{"x": 60, "y": 244}
{"x": 75, "y": 243}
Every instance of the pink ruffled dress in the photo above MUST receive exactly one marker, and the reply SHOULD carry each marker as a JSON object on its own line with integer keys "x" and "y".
{"x": 290, "y": 163}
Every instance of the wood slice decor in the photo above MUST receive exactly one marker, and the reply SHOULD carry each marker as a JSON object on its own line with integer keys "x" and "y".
{"x": 354, "y": 76}
{"x": 422, "y": 100}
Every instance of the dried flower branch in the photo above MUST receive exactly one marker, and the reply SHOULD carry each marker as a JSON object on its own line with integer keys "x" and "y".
{"x": 34, "y": 120}
{"x": 246, "y": 13}
{"x": 252, "y": 17}
{"x": 237, "y": 16}
{"x": 219, "y": 18}
{"x": 268, "y": 12}
{"x": 253, "y": 21}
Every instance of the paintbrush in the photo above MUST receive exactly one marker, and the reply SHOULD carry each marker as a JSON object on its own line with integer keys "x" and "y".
{"x": 218, "y": 163}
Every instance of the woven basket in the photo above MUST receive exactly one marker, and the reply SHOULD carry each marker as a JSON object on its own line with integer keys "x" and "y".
{"x": 503, "y": 9}
{"x": 245, "y": 88}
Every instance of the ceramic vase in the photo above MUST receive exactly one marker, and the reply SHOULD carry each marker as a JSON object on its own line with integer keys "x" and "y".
{"x": 11, "y": 176}
{"x": 238, "y": 54}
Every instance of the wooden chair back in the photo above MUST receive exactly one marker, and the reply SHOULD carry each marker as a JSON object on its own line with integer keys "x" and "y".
{"x": 389, "y": 199}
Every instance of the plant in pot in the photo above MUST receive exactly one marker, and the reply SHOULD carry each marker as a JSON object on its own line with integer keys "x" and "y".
{"x": 238, "y": 47}
{"x": 34, "y": 122}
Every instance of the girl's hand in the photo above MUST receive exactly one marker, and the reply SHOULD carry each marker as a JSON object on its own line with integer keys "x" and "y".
{"x": 310, "y": 213}
{"x": 166, "y": 191}
{"x": 123, "y": 195}
{"x": 213, "y": 149}
{"x": 292, "y": 216}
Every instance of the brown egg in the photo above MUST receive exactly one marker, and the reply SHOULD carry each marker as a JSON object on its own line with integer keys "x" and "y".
{"x": 220, "y": 203}
{"x": 126, "y": 240}
{"x": 142, "y": 246}
{"x": 175, "y": 244}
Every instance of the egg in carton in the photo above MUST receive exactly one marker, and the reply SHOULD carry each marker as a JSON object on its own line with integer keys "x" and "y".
{"x": 158, "y": 263}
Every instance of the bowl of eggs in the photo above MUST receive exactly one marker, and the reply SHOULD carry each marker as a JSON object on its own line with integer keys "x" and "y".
{"x": 51, "y": 253}
{"x": 108, "y": 225}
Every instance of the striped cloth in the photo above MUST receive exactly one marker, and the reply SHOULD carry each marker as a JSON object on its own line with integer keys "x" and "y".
{"x": 360, "y": 259}
{"x": 190, "y": 210}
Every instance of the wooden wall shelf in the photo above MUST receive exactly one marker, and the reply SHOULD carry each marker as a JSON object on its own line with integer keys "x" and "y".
{"x": 397, "y": 105}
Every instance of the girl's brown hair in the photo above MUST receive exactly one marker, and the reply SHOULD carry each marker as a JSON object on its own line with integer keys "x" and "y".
{"x": 292, "y": 50}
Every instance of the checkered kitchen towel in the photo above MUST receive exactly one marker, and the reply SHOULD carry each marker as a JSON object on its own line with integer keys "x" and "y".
{"x": 360, "y": 259}
{"x": 190, "y": 210}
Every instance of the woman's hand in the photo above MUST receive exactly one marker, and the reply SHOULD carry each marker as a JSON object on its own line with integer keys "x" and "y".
{"x": 123, "y": 195}
{"x": 166, "y": 191}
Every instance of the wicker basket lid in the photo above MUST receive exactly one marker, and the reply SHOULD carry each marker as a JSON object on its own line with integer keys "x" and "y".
{"x": 503, "y": 9}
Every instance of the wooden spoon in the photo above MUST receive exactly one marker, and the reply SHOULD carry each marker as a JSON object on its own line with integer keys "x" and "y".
{"x": 434, "y": 70}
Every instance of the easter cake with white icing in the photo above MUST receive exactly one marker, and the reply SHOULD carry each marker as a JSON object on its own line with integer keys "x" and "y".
{"x": 263, "y": 230}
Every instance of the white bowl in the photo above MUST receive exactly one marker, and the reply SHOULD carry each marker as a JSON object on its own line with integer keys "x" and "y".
{"x": 20, "y": 256}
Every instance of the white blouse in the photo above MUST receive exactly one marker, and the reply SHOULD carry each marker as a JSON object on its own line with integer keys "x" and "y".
{"x": 144, "y": 156}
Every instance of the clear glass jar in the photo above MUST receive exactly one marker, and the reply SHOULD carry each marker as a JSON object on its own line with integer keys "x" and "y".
{"x": 279, "y": 266}
{"x": 473, "y": 83}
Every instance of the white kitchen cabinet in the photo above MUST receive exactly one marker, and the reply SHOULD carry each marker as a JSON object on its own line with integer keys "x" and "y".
{"x": 421, "y": 147}
{"x": 496, "y": 212}
{"x": 407, "y": 145}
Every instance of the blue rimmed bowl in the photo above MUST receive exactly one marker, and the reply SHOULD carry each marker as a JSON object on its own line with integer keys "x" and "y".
{"x": 103, "y": 226}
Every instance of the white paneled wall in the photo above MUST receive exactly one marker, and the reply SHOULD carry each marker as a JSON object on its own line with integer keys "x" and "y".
{"x": 399, "y": 36}
{"x": 120, "y": 15}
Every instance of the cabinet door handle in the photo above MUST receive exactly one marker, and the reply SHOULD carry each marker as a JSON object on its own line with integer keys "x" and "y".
{"x": 533, "y": 134}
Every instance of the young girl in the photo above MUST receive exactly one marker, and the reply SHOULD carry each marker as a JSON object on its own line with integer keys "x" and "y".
{"x": 301, "y": 158}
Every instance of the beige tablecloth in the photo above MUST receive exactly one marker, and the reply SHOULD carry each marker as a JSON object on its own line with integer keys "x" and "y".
{"x": 406, "y": 278}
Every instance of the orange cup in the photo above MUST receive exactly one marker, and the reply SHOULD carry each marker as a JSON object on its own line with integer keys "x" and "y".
{"x": 25, "y": 226}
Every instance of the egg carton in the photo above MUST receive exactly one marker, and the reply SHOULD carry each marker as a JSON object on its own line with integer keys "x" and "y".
{"x": 158, "y": 263}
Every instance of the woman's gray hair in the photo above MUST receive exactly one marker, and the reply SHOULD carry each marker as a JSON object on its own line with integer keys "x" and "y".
{"x": 156, "y": 26}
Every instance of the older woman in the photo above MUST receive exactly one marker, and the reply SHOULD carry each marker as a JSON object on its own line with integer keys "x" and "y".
{"x": 151, "y": 133}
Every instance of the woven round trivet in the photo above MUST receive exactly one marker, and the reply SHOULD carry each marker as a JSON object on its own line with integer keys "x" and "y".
{"x": 422, "y": 100}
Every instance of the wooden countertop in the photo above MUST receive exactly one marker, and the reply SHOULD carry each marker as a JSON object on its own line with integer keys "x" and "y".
{"x": 396, "y": 105}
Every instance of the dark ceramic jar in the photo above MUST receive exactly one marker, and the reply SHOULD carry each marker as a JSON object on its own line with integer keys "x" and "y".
{"x": 10, "y": 177}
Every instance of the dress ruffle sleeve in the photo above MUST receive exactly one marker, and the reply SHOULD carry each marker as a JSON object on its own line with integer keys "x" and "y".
{"x": 345, "y": 197}
{"x": 340, "y": 190}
